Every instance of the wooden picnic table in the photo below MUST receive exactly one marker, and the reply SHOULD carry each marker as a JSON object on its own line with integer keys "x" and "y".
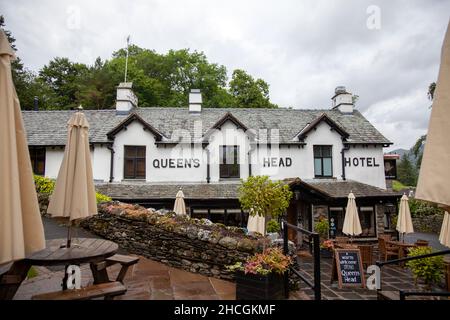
{"x": 403, "y": 248}
{"x": 83, "y": 250}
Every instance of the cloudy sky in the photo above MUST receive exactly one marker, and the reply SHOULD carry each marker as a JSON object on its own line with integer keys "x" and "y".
{"x": 385, "y": 52}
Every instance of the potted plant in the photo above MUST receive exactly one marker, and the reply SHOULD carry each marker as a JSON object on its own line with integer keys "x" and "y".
{"x": 261, "y": 276}
{"x": 326, "y": 245}
{"x": 326, "y": 248}
{"x": 429, "y": 270}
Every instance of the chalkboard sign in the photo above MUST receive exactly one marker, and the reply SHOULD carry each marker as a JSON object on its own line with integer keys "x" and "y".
{"x": 348, "y": 267}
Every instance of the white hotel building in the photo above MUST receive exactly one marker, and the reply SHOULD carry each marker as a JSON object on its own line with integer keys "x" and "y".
{"x": 144, "y": 155}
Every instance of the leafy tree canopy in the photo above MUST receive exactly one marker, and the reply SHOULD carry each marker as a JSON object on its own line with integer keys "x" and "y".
{"x": 261, "y": 196}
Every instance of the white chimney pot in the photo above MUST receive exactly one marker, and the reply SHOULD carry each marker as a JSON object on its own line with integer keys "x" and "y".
{"x": 195, "y": 101}
{"x": 343, "y": 100}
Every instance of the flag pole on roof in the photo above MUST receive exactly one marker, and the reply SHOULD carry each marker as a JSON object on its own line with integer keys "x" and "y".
{"x": 126, "y": 59}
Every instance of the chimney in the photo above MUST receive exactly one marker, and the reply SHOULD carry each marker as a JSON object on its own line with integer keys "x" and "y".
{"x": 36, "y": 103}
{"x": 195, "y": 101}
{"x": 342, "y": 100}
{"x": 126, "y": 99}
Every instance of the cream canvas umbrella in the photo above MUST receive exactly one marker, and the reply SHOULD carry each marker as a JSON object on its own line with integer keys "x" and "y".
{"x": 256, "y": 223}
{"x": 352, "y": 225}
{"x": 180, "y": 207}
{"x": 74, "y": 194}
{"x": 404, "y": 222}
{"x": 434, "y": 176}
{"x": 444, "y": 237}
{"x": 21, "y": 229}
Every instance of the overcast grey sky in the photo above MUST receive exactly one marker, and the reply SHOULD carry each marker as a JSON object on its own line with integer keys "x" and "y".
{"x": 303, "y": 49}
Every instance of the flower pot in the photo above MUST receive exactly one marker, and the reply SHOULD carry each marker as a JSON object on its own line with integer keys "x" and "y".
{"x": 259, "y": 287}
{"x": 325, "y": 253}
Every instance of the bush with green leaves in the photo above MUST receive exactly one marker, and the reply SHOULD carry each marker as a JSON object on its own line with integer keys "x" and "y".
{"x": 46, "y": 186}
{"x": 273, "y": 226}
{"x": 322, "y": 227}
{"x": 430, "y": 270}
{"x": 261, "y": 196}
{"x": 421, "y": 208}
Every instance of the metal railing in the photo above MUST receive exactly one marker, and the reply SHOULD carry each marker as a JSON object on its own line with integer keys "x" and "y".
{"x": 403, "y": 294}
{"x": 314, "y": 236}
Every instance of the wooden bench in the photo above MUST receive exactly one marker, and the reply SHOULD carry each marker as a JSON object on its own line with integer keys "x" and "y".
{"x": 99, "y": 269}
{"x": 388, "y": 295}
{"x": 107, "y": 290}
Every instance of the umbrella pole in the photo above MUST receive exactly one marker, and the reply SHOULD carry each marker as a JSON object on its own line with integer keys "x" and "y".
{"x": 69, "y": 235}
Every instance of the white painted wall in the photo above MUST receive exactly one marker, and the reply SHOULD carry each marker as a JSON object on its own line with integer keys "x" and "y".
{"x": 55, "y": 155}
{"x": 301, "y": 158}
{"x": 274, "y": 162}
{"x": 181, "y": 155}
{"x": 53, "y": 160}
{"x": 158, "y": 156}
{"x": 373, "y": 175}
{"x": 101, "y": 162}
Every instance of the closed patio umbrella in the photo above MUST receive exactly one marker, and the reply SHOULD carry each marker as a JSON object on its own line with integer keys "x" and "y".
{"x": 180, "y": 207}
{"x": 256, "y": 223}
{"x": 352, "y": 225}
{"x": 434, "y": 172}
{"x": 21, "y": 229}
{"x": 74, "y": 194}
{"x": 404, "y": 222}
{"x": 444, "y": 236}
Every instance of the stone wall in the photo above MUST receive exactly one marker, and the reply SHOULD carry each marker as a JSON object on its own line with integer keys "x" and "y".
{"x": 195, "y": 245}
{"x": 43, "y": 199}
{"x": 428, "y": 224}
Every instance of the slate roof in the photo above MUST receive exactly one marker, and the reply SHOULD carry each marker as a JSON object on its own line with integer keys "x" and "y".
{"x": 229, "y": 190}
{"x": 340, "y": 188}
{"x": 50, "y": 127}
{"x": 200, "y": 191}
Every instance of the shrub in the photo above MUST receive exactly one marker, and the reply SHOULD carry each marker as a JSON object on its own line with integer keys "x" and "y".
{"x": 102, "y": 198}
{"x": 46, "y": 186}
{"x": 430, "y": 270}
{"x": 398, "y": 186}
{"x": 322, "y": 228}
{"x": 420, "y": 208}
{"x": 273, "y": 226}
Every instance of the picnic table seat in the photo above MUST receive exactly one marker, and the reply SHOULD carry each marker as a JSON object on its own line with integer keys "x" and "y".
{"x": 123, "y": 260}
{"x": 107, "y": 290}
{"x": 388, "y": 295}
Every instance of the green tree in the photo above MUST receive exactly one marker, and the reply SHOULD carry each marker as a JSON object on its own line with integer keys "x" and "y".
{"x": 248, "y": 92}
{"x": 98, "y": 90}
{"x": 65, "y": 78}
{"x": 406, "y": 173}
{"x": 261, "y": 196}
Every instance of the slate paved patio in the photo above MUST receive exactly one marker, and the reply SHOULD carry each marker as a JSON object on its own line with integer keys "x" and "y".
{"x": 148, "y": 280}
{"x": 151, "y": 280}
{"x": 393, "y": 278}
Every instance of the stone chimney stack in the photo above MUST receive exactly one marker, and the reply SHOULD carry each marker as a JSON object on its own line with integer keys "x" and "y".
{"x": 126, "y": 99}
{"x": 342, "y": 100}
{"x": 195, "y": 101}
